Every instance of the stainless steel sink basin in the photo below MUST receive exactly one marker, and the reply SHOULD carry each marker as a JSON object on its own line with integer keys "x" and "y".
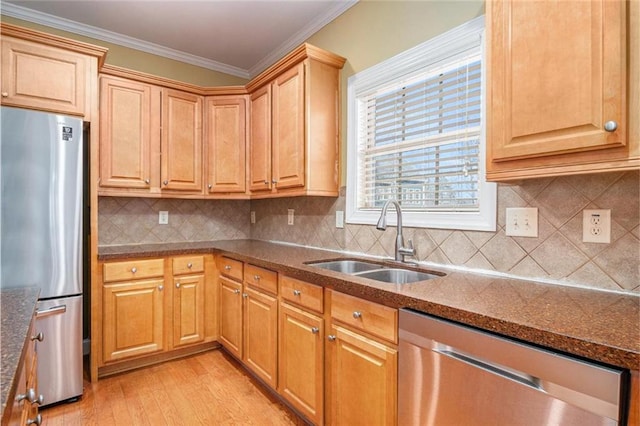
{"x": 397, "y": 276}
{"x": 347, "y": 266}
{"x": 374, "y": 271}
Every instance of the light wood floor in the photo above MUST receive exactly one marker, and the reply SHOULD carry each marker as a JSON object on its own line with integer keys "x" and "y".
{"x": 205, "y": 389}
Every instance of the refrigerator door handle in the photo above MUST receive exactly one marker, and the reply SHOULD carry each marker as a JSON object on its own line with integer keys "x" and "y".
{"x": 60, "y": 309}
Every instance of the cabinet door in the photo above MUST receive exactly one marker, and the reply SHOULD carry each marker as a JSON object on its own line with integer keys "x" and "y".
{"x": 226, "y": 142}
{"x": 288, "y": 128}
{"x": 301, "y": 361}
{"x": 132, "y": 318}
{"x": 261, "y": 335}
{"x": 127, "y": 133}
{"x": 231, "y": 316}
{"x": 362, "y": 380}
{"x": 188, "y": 310}
{"x": 181, "y": 145}
{"x": 557, "y": 75}
{"x": 260, "y": 140}
{"x": 43, "y": 77}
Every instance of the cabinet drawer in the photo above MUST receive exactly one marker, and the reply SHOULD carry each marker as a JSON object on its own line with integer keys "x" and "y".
{"x": 302, "y": 293}
{"x": 187, "y": 265}
{"x": 261, "y": 278}
{"x": 133, "y": 270}
{"x": 230, "y": 268}
{"x": 373, "y": 318}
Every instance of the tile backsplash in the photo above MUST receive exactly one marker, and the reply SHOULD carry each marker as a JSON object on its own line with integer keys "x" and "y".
{"x": 557, "y": 254}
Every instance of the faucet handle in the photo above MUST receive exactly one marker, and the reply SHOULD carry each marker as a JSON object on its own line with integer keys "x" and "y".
{"x": 409, "y": 250}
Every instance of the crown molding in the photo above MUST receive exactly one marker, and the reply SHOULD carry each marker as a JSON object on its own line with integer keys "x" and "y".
{"x": 301, "y": 36}
{"x": 36, "y": 17}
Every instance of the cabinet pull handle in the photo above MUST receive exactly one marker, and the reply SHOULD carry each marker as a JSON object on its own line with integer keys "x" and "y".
{"x": 39, "y": 337}
{"x": 134, "y": 270}
{"x": 610, "y": 126}
{"x": 5, "y": 94}
{"x": 315, "y": 330}
{"x": 147, "y": 181}
{"x": 178, "y": 285}
{"x": 166, "y": 182}
{"x": 245, "y": 295}
{"x": 357, "y": 315}
{"x": 296, "y": 292}
{"x": 236, "y": 291}
{"x": 189, "y": 265}
{"x": 227, "y": 267}
{"x": 256, "y": 277}
{"x": 160, "y": 287}
{"x": 209, "y": 186}
{"x": 331, "y": 338}
{"x": 274, "y": 181}
{"x": 35, "y": 421}
{"x": 266, "y": 182}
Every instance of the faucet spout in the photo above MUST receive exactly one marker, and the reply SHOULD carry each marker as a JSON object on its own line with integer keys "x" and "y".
{"x": 400, "y": 250}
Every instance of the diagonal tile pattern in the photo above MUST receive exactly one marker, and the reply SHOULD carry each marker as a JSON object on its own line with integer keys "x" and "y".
{"x": 557, "y": 254}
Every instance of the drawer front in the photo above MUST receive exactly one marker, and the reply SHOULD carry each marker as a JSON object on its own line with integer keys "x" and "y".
{"x": 302, "y": 293}
{"x": 261, "y": 278}
{"x": 133, "y": 270}
{"x": 230, "y": 268}
{"x": 187, "y": 264}
{"x": 373, "y": 318}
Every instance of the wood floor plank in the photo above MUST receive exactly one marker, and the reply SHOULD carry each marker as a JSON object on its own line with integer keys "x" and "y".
{"x": 205, "y": 389}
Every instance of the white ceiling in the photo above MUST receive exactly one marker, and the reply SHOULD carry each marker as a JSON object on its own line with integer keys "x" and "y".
{"x": 238, "y": 37}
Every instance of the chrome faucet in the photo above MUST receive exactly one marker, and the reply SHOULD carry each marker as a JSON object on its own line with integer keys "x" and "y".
{"x": 401, "y": 250}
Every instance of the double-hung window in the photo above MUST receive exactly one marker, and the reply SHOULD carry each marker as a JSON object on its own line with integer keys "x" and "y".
{"x": 416, "y": 135}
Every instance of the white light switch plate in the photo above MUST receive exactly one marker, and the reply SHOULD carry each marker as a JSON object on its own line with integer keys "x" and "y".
{"x": 522, "y": 222}
{"x": 253, "y": 217}
{"x": 339, "y": 219}
{"x": 290, "y": 216}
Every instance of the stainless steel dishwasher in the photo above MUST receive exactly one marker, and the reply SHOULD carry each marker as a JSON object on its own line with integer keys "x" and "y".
{"x": 451, "y": 374}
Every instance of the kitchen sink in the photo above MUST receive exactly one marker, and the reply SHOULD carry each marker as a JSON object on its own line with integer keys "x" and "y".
{"x": 347, "y": 266}
{"x": 397, "y": 276}
{"x": 374, "y": 271}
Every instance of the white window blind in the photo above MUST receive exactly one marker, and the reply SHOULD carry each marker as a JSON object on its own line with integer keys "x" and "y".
{"x": 420, "y": 141}
{"x": 417, "y": 135}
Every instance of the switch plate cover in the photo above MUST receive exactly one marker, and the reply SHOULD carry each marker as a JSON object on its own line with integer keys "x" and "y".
{"x": 339, "y": 219}
{"x": 163, "y": 217}
{"x": 290, "y": 216}
{"x": 522, "y": 222}
{"x": 253, "y": 217}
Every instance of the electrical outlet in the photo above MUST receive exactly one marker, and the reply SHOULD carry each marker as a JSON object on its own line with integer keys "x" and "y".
{"x": 339, "y": 219}
{"x": 522, "y": 222}
{"x": 290, "y": 216}
{"x": 253, "y": 217}
{"x": 163, "y": 217}
{"x": 596, "y": 226}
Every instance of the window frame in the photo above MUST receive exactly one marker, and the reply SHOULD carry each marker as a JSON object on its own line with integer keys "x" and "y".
{"x": 402, "y": 66}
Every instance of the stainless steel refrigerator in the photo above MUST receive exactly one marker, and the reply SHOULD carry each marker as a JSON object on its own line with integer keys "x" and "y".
{"x": 41, "y": 236}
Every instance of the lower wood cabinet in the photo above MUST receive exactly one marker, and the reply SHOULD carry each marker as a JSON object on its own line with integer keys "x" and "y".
{"x": 261, "y": 335}
{"x": 150, "y": 307}
{"x": 231, "y": 316}
{"x": 362, "y": 379}
{"x": 132, "y": 318}
{"x": 301, "y": 361}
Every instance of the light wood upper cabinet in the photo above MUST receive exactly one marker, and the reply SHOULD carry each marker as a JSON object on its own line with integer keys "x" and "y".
{"x": 557, "y": 88}
{"x": 181, "y": 142}
{"x": 288, "y": 129}
{"x": 49, "y": 73}
{"x": 150, "y": 138}
{"x": 295, "y": 108}
{"x": 260, "y": 140}
{"x": 128, "y": 132}
{"x": 225, "y": 119}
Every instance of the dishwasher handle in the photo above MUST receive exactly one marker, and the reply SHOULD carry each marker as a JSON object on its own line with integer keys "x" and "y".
{"x": 55, "y": 310}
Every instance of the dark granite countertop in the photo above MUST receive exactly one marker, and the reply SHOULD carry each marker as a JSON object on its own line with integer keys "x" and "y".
{"x": 598, "y": 325}
{"x": 18, "y": 306}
